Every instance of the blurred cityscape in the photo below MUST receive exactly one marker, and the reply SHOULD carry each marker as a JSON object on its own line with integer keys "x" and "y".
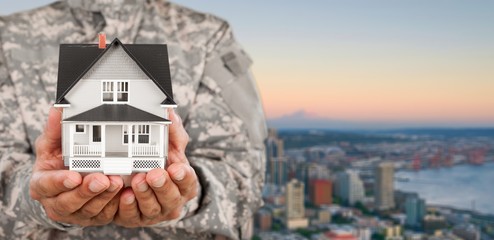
{"x": 335, "y": 185}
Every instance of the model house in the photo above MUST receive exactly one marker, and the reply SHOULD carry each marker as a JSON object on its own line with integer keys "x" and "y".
{"x": 115, "y": 99}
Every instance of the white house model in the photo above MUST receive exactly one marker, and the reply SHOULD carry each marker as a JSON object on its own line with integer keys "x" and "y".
{"x": 115, "y": 101}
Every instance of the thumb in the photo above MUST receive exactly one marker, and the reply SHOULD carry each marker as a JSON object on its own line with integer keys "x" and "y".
{"x": 177, "y": 134}
{"x": 53, "y": 130}
{"x": 50, "y": 139}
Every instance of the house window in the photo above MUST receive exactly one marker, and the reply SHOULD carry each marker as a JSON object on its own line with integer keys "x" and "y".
{"x": 142, "y": 132}
{"x": 115, "y": 91}
{"x": 79, "y": 128}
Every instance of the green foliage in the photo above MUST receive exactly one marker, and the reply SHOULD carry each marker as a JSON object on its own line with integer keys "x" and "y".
{"x": 337, "y": 200}
{"x": 360, "y": 206}
{"x": 255, "y": 237}
{"x": 276, "y": 227}
{"x": 306, "y": 232}
{"x": 378, "y": 236}
{"x": 339, "y": 219}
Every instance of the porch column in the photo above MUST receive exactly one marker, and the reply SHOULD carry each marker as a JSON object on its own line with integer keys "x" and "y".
{"x": 166, "y": 141}
{"x": 71, "y": 139}
{"x": 129, "y": 139}
{"x": 103, "y": 140}
{"x": 136, "y": 132}
{"x": 162, "y": 140}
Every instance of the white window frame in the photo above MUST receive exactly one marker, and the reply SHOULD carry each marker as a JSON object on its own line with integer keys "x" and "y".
{"x": 116, "y": 87}
{"x": 139, "y": 128}
{"x": 124, "y": 132}
{"x": 83, "y": 132}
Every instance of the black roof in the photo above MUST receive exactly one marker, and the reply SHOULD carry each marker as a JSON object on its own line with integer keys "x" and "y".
{"x": 116, "y": 113}
{"x": 75, "y": 60}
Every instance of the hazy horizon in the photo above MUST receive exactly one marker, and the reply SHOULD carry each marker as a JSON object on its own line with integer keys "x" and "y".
{"x": 405, "y": 62}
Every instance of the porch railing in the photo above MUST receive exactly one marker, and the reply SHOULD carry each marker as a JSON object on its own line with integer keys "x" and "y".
{"x": 87, "y": 150}
{"x": 145, "y": 150}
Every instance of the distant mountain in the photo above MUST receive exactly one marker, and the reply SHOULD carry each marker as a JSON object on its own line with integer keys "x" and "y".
{"x": 304, "y": 120}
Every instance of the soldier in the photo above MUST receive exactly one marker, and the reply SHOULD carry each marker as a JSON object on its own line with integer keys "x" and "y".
{"x": 212, "y": 184}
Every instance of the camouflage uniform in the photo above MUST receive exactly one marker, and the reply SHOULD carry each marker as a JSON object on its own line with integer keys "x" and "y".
{"x": 216, "y": 96}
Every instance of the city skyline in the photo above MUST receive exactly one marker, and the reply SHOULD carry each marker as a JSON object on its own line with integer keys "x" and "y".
{"x": 381, "y": 62}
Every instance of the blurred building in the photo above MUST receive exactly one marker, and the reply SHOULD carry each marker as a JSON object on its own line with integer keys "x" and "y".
{"x": 321, "y": 192}
{"x": 467, "y": 232}
{"x": 324, "y": 216}
{"x": 393, "y": 233}
{"x": 401, "y": 198}
{"x": 415, "y": 211}
{"x": 433, "y": 223}
{"x": 295, "y": 209}
{"x": 276, "y": 164}
{"x": 263, "y": 220}
{"x": 363, "y": 233}
{"x": 338, "y": 235}
{"x": 384, "y": 186}
{"x": 349, "y": 187}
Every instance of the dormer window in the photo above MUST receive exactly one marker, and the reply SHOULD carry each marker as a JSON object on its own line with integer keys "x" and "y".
{"x": 115, "y": 91}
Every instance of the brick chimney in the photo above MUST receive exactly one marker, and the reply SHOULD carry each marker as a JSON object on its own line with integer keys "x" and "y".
{"x": 102, "y": 40}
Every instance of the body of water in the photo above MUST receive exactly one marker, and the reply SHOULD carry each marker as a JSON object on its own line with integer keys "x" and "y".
{"x": 463, "y": 186}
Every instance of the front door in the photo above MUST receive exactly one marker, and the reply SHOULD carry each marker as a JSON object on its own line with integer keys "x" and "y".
{"x": 96, "y": 138}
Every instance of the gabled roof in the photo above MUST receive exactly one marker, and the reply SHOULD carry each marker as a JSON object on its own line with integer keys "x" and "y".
{"x": 116, "y": 113}
{"x": 75, "y": 60}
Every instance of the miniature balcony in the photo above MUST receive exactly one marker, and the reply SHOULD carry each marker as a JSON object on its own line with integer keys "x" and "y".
{"x": 137, "y": 150}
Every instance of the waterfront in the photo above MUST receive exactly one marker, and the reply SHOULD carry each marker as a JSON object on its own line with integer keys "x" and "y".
{"x": 463, "y": 186}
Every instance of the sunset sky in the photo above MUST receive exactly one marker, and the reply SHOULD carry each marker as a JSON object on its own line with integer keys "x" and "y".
{"x": 375, "y": 61}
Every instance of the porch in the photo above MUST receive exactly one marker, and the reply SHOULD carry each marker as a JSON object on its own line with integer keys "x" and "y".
{"x": 117, "y": 140}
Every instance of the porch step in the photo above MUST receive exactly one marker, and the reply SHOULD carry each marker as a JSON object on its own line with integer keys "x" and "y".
{"x": 117, "y": 166}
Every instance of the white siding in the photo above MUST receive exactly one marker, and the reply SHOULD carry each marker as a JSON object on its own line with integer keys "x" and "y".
{"x": 115, "y": 64}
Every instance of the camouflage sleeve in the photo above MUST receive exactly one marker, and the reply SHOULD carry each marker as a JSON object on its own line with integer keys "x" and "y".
{"x": 21, "y": 216}
{"x": 227, "y": 127}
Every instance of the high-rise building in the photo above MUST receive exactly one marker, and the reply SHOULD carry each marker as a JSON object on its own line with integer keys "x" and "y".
{"x": 384, "y": 186}
{"x": 276, "y": 165}
{"x": 314, "y": 171}
{"x": 349, "y": 187}
{"x": 295, "y": 209}
{"x": 321, "y": 192}
{"x": 415, "y": 210}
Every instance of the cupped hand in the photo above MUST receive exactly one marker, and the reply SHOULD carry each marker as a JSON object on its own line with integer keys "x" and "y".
{"x": 67, "y": 196}
{"x": 160, "y": 195}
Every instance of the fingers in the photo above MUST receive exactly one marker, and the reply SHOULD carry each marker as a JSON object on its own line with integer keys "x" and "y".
{"x": 95, "y": 205}
{"x": 184, "y": 176}
{"x": 128, "y": 213}
{"x": 166, "y": 192}
{"x": 69, "y": 202}
{"x": 107, "y": 215}
{"x": 51, "y": 183}
{"x": 147, "y": 202}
